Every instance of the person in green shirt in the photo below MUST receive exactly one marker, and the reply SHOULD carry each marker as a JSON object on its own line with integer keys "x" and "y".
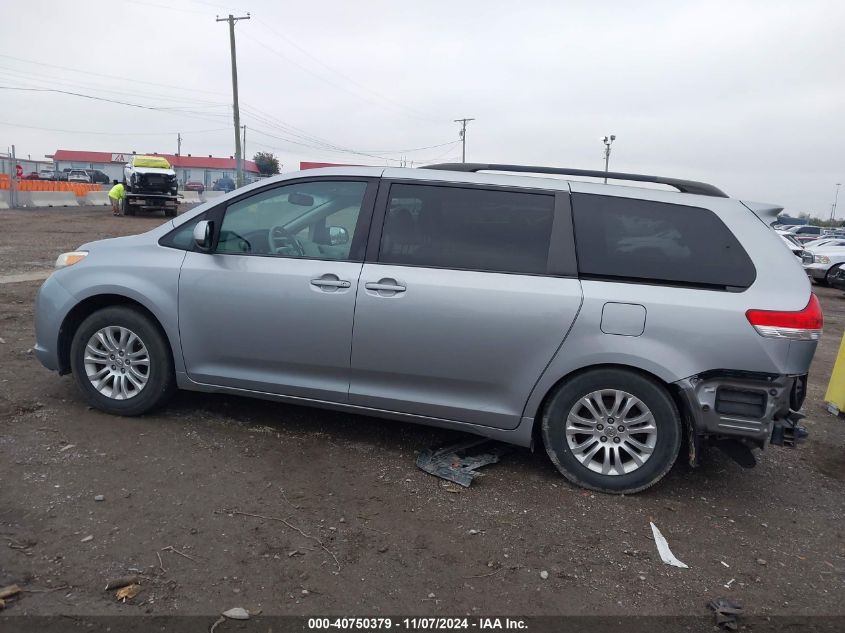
{"x": 116, "y": 194}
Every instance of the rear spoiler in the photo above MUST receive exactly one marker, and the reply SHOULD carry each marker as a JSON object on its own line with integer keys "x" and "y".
{"x": 767, "y": 212}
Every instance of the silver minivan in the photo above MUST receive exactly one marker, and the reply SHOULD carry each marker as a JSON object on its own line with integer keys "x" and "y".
{"x": 618, "y": 326}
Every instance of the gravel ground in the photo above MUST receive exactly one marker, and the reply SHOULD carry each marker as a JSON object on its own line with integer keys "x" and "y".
{"x": 349, "y": 525}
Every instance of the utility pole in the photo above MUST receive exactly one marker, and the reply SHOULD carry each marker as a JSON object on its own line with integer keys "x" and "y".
{"x": 608, "y": 141}
{"x": 243, "y": 162}
{"x": 463, "y": 136}
{"x": 13, "y": 180}
{"x": 178, "y": 143}
{"x": 835, "y": 201}
{"x": 239, "y": 178}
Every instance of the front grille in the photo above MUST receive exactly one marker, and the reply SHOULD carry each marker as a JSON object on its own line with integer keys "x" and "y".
{"x": 750, "y": 404}
{"x": 156, "y": 182}
{"x": 807, "y": 258}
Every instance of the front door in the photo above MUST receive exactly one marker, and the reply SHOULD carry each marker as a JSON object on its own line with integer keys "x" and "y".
{"x": 460, "y": 313}
{"x": 271, "y": 308}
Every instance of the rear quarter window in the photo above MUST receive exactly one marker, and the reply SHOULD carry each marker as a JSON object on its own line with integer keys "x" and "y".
{"x": 656, "y": 242}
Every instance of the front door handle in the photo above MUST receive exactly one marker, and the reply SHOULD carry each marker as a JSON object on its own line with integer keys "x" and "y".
{"x": 328, "y": 282}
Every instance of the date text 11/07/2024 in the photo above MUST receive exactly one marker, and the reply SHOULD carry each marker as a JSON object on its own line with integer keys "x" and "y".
{"x": 417, "y": 624}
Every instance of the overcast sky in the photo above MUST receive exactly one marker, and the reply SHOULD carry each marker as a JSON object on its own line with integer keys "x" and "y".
{"x": 747, "y": 95}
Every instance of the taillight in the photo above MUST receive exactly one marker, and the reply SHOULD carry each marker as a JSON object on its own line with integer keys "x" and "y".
{"x": 803, "y": 325}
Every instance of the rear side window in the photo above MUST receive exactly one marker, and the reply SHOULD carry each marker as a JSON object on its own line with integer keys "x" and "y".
{"x": 468, "y": 229}
{"x": 657, "y": 242}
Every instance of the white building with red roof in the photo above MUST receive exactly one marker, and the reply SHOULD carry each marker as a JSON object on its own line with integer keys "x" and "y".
{"x": 204, "y": 169}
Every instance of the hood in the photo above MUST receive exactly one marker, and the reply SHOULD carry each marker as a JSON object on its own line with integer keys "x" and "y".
{"x": 154, "y": 170}
{"x": 835, "y": 251}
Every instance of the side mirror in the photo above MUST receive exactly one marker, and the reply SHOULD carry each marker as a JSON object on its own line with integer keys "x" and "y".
{"x": 338, "y": 235}
{"x": 203, "y": 232}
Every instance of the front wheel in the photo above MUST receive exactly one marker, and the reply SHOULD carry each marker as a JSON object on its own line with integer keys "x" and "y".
{"x": 612, "y": 430}
{"x": 121, "y": 362}
{"x": 830, "y": 273}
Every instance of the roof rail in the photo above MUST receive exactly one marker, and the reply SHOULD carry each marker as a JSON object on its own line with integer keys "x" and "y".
{"x": 684, "y": 186}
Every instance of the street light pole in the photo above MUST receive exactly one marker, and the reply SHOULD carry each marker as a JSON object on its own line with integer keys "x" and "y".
{"x": 608, "y": 141}
{"x": 835, "y": 201}
{"x": 239, "y": 177}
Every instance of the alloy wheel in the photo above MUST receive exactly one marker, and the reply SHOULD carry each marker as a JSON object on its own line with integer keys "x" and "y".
{"x": 611, "y": 432}
{"x": 117, "y": 362}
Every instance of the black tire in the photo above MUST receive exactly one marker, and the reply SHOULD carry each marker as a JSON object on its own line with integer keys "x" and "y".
{"x": 651, "y": 393}
{"x": 126, "y": 208}
{"x": 170, "y": 213}
{"x": 161, "y": 382}
{"x": 833, "y": 270}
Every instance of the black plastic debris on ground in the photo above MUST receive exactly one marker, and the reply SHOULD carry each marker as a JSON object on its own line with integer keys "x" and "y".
{"x": 459, "y": 462}
{"x": 726, "y": 612}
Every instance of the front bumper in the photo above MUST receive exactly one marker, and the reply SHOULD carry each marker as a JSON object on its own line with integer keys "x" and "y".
{"x": 757, "y": 409}
{"x": 52, "y": 304}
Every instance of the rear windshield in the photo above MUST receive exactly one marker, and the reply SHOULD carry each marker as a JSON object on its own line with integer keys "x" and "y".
{"x": 629, "y": 239}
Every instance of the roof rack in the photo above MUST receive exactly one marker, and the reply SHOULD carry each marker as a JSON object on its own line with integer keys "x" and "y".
{"x": 684, "y": 186}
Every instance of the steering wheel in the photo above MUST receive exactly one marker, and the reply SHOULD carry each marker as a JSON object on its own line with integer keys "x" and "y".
{"x": 280, "y": 238}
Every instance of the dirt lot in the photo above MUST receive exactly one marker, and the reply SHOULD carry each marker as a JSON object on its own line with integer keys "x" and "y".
{"x": 394, "y": 539}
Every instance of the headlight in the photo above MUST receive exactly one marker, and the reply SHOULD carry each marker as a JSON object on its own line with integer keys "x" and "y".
{"x": 69, "y": 259}
{"x": 821, "y": 259}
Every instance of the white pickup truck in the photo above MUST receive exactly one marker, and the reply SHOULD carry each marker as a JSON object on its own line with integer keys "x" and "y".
{"x": 149, "y": 174}
{"x": 821, "y": 263}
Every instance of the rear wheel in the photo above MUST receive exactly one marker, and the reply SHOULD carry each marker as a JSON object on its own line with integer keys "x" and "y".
{"x": 612, "y": 430}
{"x": 830, "y": 273}
{"x": 121, "y": 362}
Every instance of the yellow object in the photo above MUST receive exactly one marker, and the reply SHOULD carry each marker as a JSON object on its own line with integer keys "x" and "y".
{"x": 835, "y": 395}
{"x": 117, "y": 192}
{"x": 151, "y": 161}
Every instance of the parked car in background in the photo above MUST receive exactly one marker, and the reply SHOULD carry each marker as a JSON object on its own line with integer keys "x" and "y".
{"x": 825, "y": 241}
{"x": 47, "y": 174}
{"x": 33, "y": 175}
{"x": 98, "y": 176}
{"x": 508, "y": 306}
{"x": 820, "y": 263}
{"x": 194, "y": 185}
{"x": 793, "y": 244}
{"x": 224, "y": 184}
{"x": 806, "y": 232}
{"x": 837, "y": 278}
{"x": 78, "y": 175}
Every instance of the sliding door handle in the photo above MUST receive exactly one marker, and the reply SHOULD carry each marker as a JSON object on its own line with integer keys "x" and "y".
{"x": 385, "y": 287}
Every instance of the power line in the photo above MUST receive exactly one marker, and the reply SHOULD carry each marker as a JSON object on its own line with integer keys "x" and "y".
{"x": 51, "y": 129}
{"x": 167, "y": 7}
{"x": 122, "y": 78}
{"x": 412, "y": 111}
{"x": 79, "y": 94}
{"x": 52, "y": 80}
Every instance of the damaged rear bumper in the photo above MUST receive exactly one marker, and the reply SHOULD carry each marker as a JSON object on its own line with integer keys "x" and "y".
{"x": 755, "y": 408}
